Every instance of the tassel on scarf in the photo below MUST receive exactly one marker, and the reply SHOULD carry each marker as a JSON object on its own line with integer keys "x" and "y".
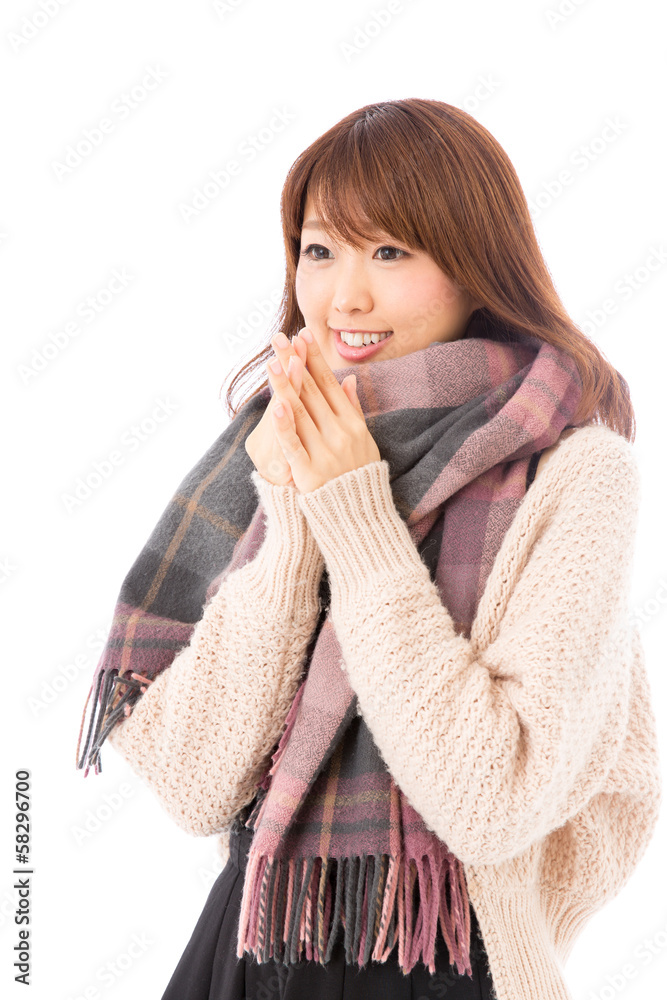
{"x": 374, "y": 901}
{"x": 488, "y": 403}
{"x": 109, "y": 705}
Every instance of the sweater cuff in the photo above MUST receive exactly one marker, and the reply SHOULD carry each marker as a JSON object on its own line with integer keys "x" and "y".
{"x": 284, "y": 576}
{"x": 360, "y": 532}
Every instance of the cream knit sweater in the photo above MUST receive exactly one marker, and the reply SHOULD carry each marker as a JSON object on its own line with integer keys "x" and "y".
{"x": 530, "y": 748}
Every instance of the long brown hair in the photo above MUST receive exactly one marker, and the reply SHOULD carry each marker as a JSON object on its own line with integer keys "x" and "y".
{"x": 432, "y": 177}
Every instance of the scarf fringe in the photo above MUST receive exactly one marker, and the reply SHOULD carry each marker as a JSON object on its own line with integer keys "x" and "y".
{"x": 109, "y": 707}
{"x": 287, "y": 911}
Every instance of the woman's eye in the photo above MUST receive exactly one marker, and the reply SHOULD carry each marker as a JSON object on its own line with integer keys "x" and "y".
{"x": 318, "y": 246}
{"x": 313, "y": 246}
{"x": 396, "y": 249}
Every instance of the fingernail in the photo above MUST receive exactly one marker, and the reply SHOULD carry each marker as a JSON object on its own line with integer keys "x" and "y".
{"x": 307, "y": 335}
{"x": 281, "y": 340}
{"x": 276, "y": 367}
{"x": 291, "y": 364}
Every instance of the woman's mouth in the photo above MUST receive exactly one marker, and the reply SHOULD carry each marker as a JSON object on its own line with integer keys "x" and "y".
{"x": 358, "y": 353}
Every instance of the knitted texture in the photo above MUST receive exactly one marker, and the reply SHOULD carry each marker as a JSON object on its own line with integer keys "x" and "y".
{"x": 458, "y": 425}
{"x": 336, "y": 841}
{"x": 202, "y": 735}
{"x": 529, "y": 747}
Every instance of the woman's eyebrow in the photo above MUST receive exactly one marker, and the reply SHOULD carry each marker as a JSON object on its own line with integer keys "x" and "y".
{"x": 316, "y": 224}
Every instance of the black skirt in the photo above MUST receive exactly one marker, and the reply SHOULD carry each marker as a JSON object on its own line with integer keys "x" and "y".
{"x": 209, "y": 968}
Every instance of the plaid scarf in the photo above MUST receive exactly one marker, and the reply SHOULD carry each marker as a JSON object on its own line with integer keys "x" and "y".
{"x": 336, "y": 841}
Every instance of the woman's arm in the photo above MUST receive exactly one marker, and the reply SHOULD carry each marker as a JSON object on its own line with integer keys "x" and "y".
{"x": 202, "y": 734}
{"x": 493, "y": 748}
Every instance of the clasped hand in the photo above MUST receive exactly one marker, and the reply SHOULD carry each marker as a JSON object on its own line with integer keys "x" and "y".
{"x": 322, "y": 431}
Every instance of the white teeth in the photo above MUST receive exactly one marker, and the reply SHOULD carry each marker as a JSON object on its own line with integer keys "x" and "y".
{"x": 361, "y": 339}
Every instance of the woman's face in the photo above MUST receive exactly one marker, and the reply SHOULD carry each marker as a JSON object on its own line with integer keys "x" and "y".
{"x": 384, "y": 287}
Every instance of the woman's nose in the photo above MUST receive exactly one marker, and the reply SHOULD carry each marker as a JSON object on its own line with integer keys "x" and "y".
{"x": 351, "y": 291}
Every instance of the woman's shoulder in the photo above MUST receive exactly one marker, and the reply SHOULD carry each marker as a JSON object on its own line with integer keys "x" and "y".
{"x": 594, "y": 443}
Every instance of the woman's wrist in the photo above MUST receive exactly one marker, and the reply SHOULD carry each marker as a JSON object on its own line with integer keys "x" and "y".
{"x": 284, "y": 576}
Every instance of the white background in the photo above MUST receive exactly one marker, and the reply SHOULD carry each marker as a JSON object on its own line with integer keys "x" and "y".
{"x": 545, "y": 84}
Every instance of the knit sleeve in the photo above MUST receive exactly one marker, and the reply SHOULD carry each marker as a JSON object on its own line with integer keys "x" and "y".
{"x": 498, "y": 739}
{"x": 202, "y": 734}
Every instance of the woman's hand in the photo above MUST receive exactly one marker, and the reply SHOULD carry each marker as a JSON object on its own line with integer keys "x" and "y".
{"x": 322, "y": 430}
{"x": 262, "y": 444}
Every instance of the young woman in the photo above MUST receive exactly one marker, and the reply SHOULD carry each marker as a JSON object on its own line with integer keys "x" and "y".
{"x": 411, "y": 703}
